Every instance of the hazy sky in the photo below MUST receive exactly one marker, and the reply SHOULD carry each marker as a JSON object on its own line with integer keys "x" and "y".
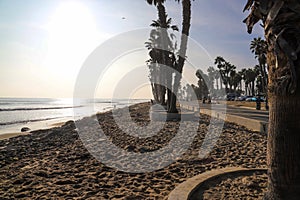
{"x": 44, "y": 43}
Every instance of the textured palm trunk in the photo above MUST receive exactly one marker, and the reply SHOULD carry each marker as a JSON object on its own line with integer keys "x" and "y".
{"x": 263, "y": 78}
{"x": 253, "y": 88}
{"x": 163, "y": 75}
{"x": 282, "y": 32}
{"x": 284, "y": 123}
{"x": 186, "y": 23}
{"x": 264, "y": 82}
{"x": 284, "y": 148}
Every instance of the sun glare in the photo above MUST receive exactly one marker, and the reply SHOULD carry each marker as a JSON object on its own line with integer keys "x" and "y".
{"x": 72, "y": 35}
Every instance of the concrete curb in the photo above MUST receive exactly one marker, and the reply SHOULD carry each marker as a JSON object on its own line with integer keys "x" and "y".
{"x": 251, "y": 124}
{"x": 185, "y": 190}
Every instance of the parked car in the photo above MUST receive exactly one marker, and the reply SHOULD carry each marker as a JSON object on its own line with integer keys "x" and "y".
{"x": 250, "y": 98}
{"x": 243, "y": 98}
{"x": 261, "y": 99}
{"x": 231, "y": 96}
{"x": 255, "y": 99}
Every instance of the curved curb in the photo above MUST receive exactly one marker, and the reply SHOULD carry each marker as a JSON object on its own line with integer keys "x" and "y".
{"x": 185, "y": 190}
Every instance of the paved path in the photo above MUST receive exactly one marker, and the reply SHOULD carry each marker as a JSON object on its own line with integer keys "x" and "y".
{"x": 256, "y": 120}
{"x": 251, "y": 113}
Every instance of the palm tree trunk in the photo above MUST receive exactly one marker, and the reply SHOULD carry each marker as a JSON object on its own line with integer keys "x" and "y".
{"x": 163, "y": 20}
{"x": 217, "y": 84}
{"x": 282, "y": 32}
{"x": 284, "y": 148}
{"x": 253, "y": 88}
{"x": 221, "y": 83}
{"x": 186, "y": 23}
{"x": 284, "y": 127}
{"x": 264, "y": 82}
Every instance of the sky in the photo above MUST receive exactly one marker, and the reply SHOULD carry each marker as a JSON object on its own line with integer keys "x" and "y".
{"x": 46, "y": 45}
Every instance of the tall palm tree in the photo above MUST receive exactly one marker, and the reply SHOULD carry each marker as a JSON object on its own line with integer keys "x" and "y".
{"x": 159, "y": 56}
{"x": 161, "y": 11}
{"x": 186, "y": 24}
{"x": 244, "y": 78}
{"x": 220, "y": 63}
{"x": 281, "y": 22}
{"x": 250, "y": 76}
{"x": 235, "y": 80}
{"x": 258, "y": 46}
{"x": 178, "y": 62}
{"x": 211, "y": 77}
{"x": 217, "y": 77}
{"x": 224, "y": 68}
{"x": 241, "y": 80}
{"x": 231, "y": 79}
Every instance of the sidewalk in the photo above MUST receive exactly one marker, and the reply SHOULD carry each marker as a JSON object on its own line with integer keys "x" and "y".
{"x": 256, "y": 120}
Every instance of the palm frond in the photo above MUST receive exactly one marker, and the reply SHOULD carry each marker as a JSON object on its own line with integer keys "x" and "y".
{"x": 150, "y": 2}
{"x": 155, "y": 23}
{"x": 248, "y": 5}
{"x": 175, "y": 28}
{"x": 169, "y": 21}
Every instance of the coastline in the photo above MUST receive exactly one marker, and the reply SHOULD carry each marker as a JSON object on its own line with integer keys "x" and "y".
{"x": 14, "y": 131}
{"x": 5, "y": 136}
{"x": 54, "y": 163}
{"x": 13, "y": 128}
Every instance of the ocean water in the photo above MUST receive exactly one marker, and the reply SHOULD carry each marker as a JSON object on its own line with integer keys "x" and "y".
{"x": 19, "y": 112}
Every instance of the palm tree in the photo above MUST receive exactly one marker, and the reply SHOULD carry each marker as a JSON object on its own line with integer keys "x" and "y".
{"x": 241, "y": 80}
{"x": 178, "y": 62}
{"x": 235, "y": 80}
{"x": 211, "y": 77}
{"x": 251, "y": 75}
{"x": 186, "y": 24}
{"x": 281, "y": 22}
{"x": 161, "y": 11}
{"x": 217, "y": 77}
{"x": 159, "y": 56}
{"x": 243, "y": 74}
{"x": 224, "y": 68}
{"x": 258, "y": 46}
{"x": 156, "y": 52}
{"x": 231, "y": 79}
{"x": 220, "y": 63}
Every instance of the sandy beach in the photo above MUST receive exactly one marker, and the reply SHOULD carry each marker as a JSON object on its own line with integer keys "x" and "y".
{"x": 54, "y": 163}
{"x": 10, "y": 135}
{"x": 39, "y": 125}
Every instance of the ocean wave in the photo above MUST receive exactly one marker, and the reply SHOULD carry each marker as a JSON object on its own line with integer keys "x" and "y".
{"x": 27, "y": 121}
{"x": 39, "y": 108}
